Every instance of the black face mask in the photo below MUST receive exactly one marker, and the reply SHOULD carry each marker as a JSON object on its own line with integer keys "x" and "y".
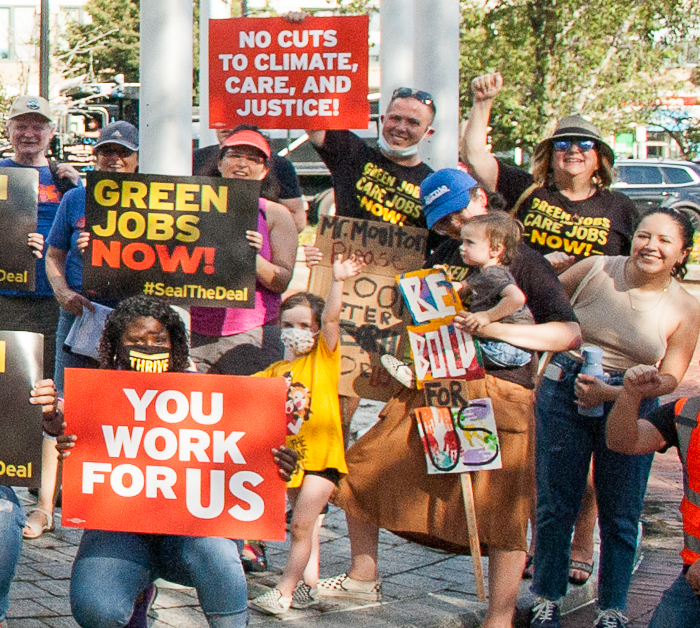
{"x": 144, "y": 359}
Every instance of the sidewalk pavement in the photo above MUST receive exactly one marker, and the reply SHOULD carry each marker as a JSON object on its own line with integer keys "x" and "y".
{"x": 422, "y": 587}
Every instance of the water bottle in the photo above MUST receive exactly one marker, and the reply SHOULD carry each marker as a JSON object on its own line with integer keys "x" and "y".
{"x": 592, "y": 365}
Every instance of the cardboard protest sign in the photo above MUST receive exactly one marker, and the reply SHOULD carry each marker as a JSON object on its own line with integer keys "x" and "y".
{"x": 462, "y": 439}
{"x": 372, "y": 319}
{"x": 21, "y": 366}
{"x": 439, "y": 349}
{"x": 19, "y": 195}
{"x": 175, "y": 453}
{"x": 279, "y": 75}
{"x": 387, "y": 249}
{"x": 453, "y": 393}
{"x": 182, "y": 238}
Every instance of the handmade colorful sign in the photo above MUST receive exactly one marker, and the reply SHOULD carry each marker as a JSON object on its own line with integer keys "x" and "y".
{"x": 21, "y": 366}
{"x": 189, "y": 454}
{"x": 461, "y": 439}
{"x": 372, "y": 320}
{"x": 182, "y": 238}
{"x": 19, "y": 193}
{"x": 429, "y": 296}
{"x": 439, "y": 349}
{"x": 282, "y": 75}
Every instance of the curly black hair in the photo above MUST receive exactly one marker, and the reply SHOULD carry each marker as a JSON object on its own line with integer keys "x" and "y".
{"x": 127, "y": 311}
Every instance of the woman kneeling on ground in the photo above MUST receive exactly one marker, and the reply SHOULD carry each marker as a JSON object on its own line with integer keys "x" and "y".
{"x": 113, "y": 569}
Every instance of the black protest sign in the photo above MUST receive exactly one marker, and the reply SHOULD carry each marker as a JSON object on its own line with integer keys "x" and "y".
{"x": 372, "y": 320}
{"x": 21, "y": 360}
{"x": 180, "y": 238}
{"x": 19, "y": 193}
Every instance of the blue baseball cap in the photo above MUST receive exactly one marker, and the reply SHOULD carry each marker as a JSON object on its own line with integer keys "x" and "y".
{"x": 120, "y": 132}
{"x": 445, "y": 192}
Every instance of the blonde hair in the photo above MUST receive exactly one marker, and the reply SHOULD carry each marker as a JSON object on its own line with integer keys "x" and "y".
{"x": 542, "y": 171}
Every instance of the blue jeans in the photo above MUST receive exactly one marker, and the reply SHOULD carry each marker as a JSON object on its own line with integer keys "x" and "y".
{"x": 566, "y": 441}
{"x": 11, "y": 525}
{"x": 112, "y": 568}
{"x": 679, "y": 607}
{"x": 64, "y": 359}
{"x": 503, "y": 354}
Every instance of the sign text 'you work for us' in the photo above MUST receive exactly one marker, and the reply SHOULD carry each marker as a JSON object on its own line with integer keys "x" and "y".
{"x": 177, "y": 448}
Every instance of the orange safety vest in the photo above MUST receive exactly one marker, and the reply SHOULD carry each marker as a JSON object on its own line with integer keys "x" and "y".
{"x": 687, "y": 419}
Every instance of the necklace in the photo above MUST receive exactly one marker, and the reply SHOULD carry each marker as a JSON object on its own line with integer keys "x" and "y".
{"x": 661, "y": 294}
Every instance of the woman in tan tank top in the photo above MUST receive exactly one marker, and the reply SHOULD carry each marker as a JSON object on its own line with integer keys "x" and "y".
{"x": 635, "y": 309}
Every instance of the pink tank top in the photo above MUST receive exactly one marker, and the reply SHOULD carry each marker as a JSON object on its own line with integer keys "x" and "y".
{"x": 226, "y": 321}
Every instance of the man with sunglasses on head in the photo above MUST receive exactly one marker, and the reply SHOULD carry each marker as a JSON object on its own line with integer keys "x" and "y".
{"x": 382, "y": 183}
{"x": 566, "y": 205}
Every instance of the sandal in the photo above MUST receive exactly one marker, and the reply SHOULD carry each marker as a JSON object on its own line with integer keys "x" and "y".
{"x": 529, "y": 569}
{"x": 35, "y": 526}
{"x": 577, "y": 565}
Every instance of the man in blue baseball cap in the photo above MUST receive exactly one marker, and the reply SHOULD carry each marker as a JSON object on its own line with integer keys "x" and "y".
{"x": 387, "y": 485}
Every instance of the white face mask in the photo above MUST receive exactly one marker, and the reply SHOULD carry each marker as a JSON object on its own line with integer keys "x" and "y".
{"x": 298, "y": 341}
{"x": 398, "y": 153}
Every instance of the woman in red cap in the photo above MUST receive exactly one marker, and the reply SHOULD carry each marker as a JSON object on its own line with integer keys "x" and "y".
{"x": 243, "y": 341}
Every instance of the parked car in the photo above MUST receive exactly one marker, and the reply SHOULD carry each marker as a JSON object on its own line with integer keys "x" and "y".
{"x": 667, "y": 183}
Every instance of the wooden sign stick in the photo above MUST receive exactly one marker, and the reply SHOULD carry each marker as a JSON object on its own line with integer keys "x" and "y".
{"x": 468, "y": 496}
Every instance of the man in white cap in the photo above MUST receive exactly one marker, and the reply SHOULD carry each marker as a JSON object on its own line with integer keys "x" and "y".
{"x": 30, "y": 129}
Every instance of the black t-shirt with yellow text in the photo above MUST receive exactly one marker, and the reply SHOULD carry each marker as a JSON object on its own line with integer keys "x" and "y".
{"x": 370, "y": 186}
{"x": 600, "y": 225}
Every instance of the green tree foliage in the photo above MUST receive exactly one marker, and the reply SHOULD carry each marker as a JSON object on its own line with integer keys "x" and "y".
{"x": 601, "y": 58}
{"x": 107, "y": 46}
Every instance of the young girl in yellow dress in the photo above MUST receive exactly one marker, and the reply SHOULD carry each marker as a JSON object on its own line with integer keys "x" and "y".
{"x": 311, "y": 336}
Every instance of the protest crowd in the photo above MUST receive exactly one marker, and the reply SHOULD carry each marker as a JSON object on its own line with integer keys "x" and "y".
{"x": 532, "y": 313}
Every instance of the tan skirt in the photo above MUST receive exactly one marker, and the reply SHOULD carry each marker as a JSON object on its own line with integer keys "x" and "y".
{"x": 388, "y": 484}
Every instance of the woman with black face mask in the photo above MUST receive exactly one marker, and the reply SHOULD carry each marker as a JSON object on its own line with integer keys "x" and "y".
{"x": 113, "y": 573}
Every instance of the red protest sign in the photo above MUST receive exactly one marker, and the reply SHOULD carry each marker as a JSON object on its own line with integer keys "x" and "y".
{"x": 175, "y": 453}
{"x": 279, "y": 75}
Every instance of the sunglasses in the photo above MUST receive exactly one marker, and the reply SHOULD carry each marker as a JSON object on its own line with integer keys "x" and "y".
{"x": 114, "y": 149}
{"x": 407, "y": 92}
{"x": 561, "y": 146}
{"x": 253, "y": 159}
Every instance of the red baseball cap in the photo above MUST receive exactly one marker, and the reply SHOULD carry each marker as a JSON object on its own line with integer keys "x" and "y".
{"x": 248, "y": 138}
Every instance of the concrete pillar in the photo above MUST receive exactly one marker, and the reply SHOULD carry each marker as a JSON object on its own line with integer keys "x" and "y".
{"x": 395, "y": 47}
{"x": 165, "y": 115}
{"x": 436, "y": 70}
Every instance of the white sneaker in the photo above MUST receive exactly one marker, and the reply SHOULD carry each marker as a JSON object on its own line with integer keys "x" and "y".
{"x": 344, "y": 586}
{"x": 303, "y": 596}
{"x": 399, "y": 370}
{"x": 271, "y": 603}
